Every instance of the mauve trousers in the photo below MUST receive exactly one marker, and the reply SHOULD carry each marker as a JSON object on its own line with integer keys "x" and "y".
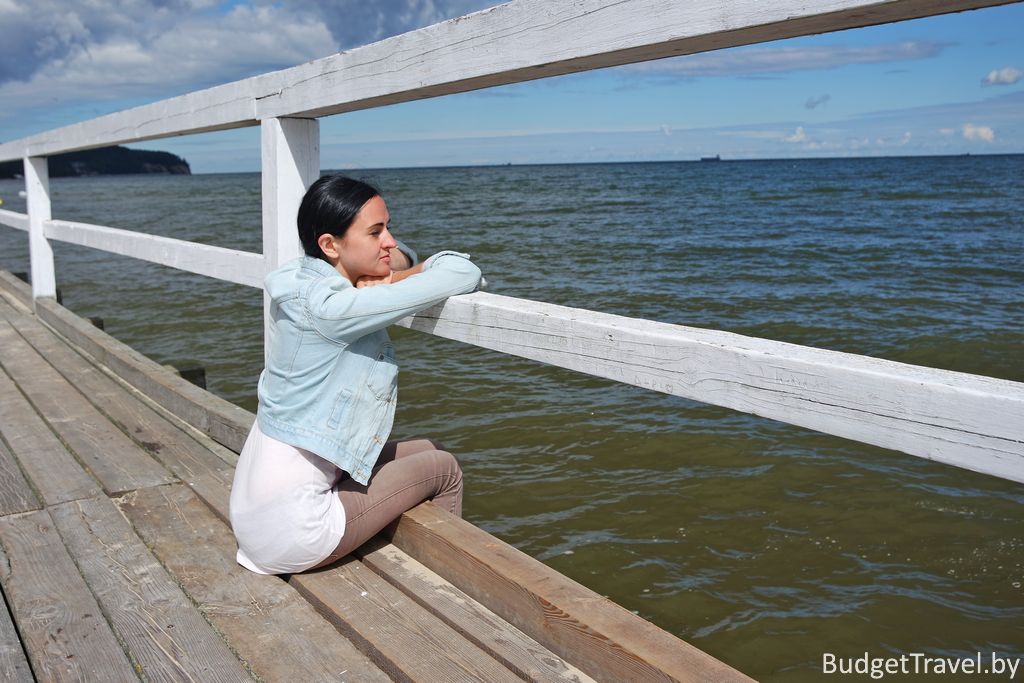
{"x": 406, "y": 474}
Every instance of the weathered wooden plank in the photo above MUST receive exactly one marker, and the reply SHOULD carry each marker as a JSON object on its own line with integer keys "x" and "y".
{"x": 189, "y": 460}
{"x": 54, "y": 473}
{"x": 15, "y": 493}
{"x": 336, "y": 597}
{"x": 190, "y": 465}
{"x": 13, "y": 661}
{"x": 264, "y": 619}
{"x": 223, "y": 421}
{"x": 15, "y": 290}
{"x": 241, "y": 267}
{"x": 603, "y": 639}
{"x": 111, "y": 456}
{"x": 513, "y": 42}
{"x": 402, "y": 638}
{"x": 955, "y": 418}
{"x": 18, "y": 221}
{"x": 65, "y": 634}
{"x": 162, "y": 631}
{"x": 510, "y": 646}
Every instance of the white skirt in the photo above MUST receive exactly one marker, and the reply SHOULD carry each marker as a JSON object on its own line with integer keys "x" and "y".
{"x": 284, "y": 508}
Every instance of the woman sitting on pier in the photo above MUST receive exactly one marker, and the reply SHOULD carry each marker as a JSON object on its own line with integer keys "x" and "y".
{"x": 316, "y": 477}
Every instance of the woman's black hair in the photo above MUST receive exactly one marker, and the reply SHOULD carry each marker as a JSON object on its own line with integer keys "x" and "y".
{"x": 329, "y": 207}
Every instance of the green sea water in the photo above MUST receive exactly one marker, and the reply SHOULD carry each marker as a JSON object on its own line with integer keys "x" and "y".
{"x": 764, "y": 544}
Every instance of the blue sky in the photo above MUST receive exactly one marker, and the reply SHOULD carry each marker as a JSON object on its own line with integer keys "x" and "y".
{"x": 944, "y": 85}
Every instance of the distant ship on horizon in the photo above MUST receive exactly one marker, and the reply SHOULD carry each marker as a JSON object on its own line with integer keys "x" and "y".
{"x": 714, "y": 158}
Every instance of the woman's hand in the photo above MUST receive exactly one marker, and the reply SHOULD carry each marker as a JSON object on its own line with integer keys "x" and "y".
{"x": 399, "y": 259}
{"x": 374, "y": 280}
{"x": 395, "y": 276}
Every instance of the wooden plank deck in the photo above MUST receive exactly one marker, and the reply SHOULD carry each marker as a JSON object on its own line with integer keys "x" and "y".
{"x": 117, "y": 561}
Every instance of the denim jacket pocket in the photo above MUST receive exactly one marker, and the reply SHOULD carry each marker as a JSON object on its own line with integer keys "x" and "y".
{"x": 383, "y": 377}
{"x": 341, "y": 403}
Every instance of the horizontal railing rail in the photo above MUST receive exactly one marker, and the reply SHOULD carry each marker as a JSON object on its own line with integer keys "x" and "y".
{"x": 18, "y": 221}
{"x": 240, "y": 267}
{"x": 959, "y": 419}
{"x": 955, "y": 418}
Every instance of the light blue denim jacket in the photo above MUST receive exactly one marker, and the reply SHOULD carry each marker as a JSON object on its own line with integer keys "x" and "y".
{"x": 331, "y": 380}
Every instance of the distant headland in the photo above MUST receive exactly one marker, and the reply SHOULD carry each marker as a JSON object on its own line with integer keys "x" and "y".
{"x": 106, "y": 161}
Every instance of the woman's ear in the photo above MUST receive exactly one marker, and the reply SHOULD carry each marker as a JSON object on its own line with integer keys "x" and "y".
{"x": 326, "y": 244}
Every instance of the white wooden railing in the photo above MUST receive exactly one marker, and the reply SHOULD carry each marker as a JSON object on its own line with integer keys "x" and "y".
{"x": 965, "y": 420}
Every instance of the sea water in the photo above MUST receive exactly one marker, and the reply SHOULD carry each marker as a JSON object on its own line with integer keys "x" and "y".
{"x": 764, "y": 544}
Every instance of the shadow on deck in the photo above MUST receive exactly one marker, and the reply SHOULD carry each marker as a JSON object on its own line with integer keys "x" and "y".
{"x": 117, "y": 561}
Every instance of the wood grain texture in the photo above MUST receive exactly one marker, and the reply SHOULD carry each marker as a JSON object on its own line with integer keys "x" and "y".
{"x": 118, "y": 463}
{"x": 15, "y": 493}
{"x": 513, "y": 42}
{"x": 603, "y": 639}
{"x": 168, "y": 443}
{"x": 15, "y": 290}
{"x": 510, "y": 646}
{"x": 401, "y": 638}
{"x": 162, "y": 631}
{"x": 207, "y": 477}
{"x": 14, "y": 664}
{"x": 224, "y": 422}
{"x": 231, "y": 265}
{"x": 53, "y": 472}
{"x": 64, "y": 632}
{"x": 265, "y": 620}
{"x": 954, "y": 418}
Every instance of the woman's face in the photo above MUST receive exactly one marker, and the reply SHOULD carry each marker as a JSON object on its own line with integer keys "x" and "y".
{"x": 363, "y": 249}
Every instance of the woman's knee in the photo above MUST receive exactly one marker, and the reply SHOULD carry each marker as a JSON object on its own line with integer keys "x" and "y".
{"x": 403, "y": 449}
{"x": 446, "y": 465}
{"x": 456, "y": 466}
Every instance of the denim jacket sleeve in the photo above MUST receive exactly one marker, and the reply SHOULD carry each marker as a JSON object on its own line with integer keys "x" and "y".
{"x": 343, "y": 313}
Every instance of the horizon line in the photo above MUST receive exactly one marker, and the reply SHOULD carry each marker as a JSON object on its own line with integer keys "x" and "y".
{"x": 642, "y": 161}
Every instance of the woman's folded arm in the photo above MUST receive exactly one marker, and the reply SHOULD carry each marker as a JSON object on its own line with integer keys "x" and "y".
{"x": 344, "y": 313}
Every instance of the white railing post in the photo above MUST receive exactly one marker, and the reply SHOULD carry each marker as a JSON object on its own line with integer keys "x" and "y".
{"x": 37, "y": 190}
{"x": 291, "y": 163}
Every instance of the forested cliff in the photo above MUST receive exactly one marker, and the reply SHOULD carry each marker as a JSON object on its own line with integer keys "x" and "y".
{"x": 106, "y": 161}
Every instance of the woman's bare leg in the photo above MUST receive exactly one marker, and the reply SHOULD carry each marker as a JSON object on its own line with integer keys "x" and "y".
{"x": 406, "y": 474}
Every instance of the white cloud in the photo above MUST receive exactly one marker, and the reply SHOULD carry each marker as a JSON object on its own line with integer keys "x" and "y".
{"x": 38, "y": 33}
{"x": 56, "y": 53}
{"x": 1005, "y": 76}
{"x": 798, "y": 135}
{"x": 162, "y": 59}
{"x": 41, "y": 33}
{"x": 766, "y": 60}
{"x": 978, "y": 133}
